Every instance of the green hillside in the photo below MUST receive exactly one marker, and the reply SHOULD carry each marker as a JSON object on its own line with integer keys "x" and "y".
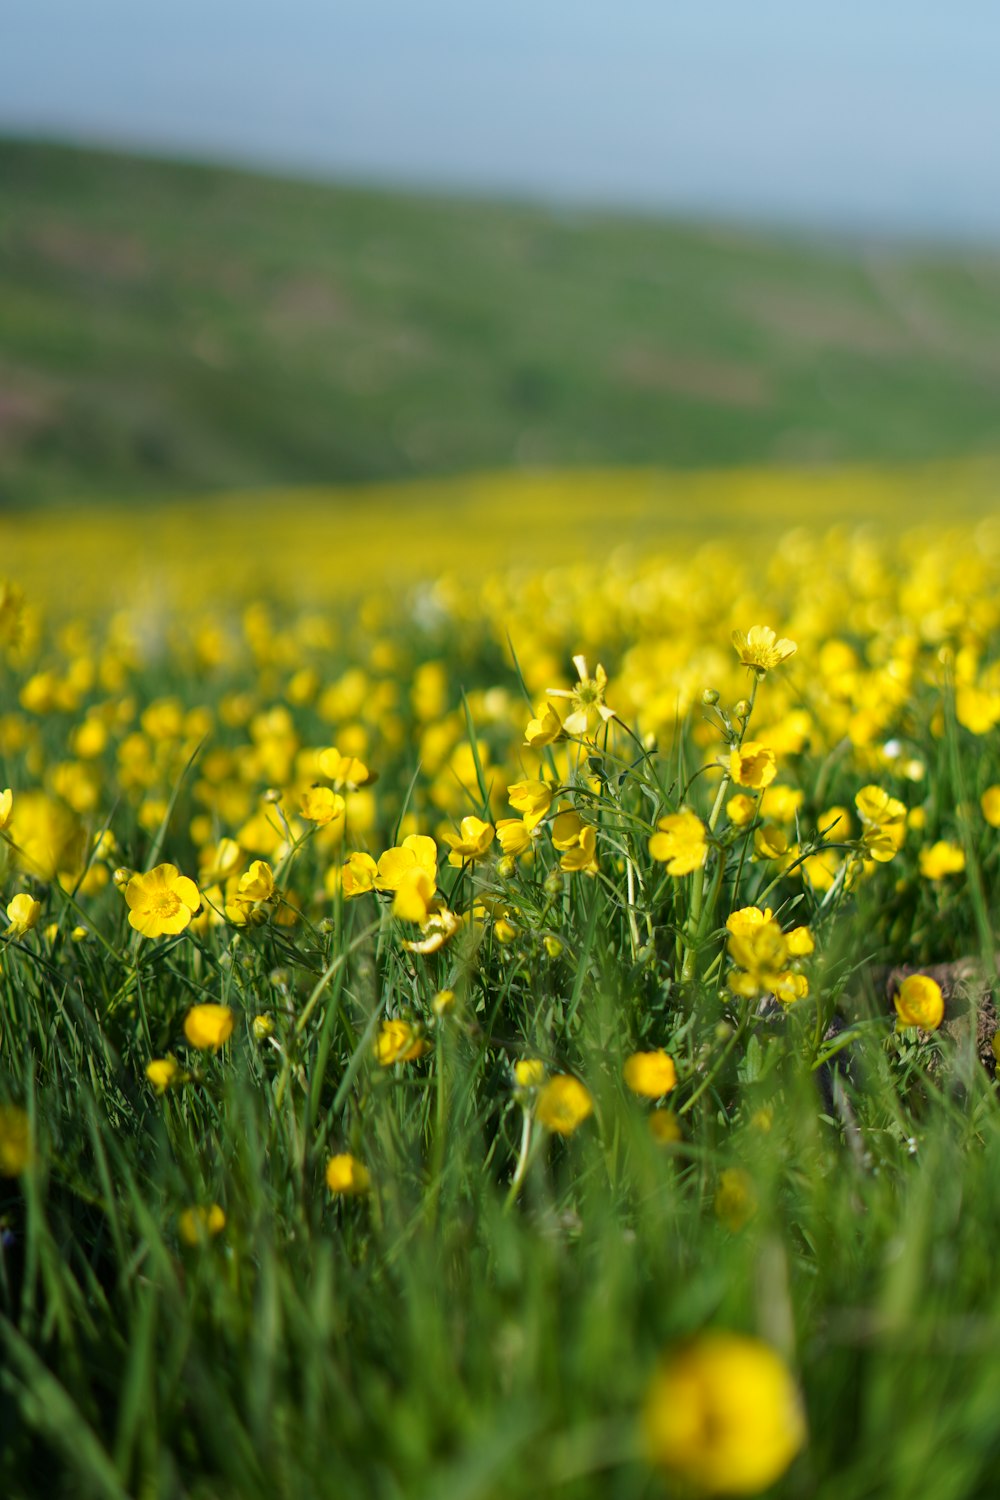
{"x": 168, "y": 328}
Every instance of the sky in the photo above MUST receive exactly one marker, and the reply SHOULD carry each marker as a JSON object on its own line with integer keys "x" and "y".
{"x": 877, "y": 115}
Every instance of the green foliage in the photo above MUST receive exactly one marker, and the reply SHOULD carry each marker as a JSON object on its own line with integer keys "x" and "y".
{"x": 168, "y": 328}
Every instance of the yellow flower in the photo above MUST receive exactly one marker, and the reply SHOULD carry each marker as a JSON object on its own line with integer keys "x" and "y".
{"x": 990, "y": 804}
{"x": 345, "y": 770}
{"x": 529, "y": 1072}
{"x": 770, "y": 842}
{"x": 744, "y": 921}
{"x": 563, "y": 1104}
{"x": 723, "y": 1414}
{"x": 162, "y": 1072}
{"x": 587, "y": 699}
{"x": 566, "y": 829}
{"x": 515, "y": 836}
{"x": 680, "y": 843}
{"x": 760, "y": 649}
{"x": 543, "y": 729}
{"x": 741, "y": 809}
{"x": 347, "y": 1176}
{"x": 414, "y": 895}
{"x": 15, "y": 1140}
{"x": 398, "y": 1041}
{"x": 735, "y": 1199}
{"x": 436, "y": 929}
{"x": 196, "y": 1225}
{"x": 581, "y": 857}
{"x": 354, "y": 877}
{"x": 6, "y": 807}
{"x": 321, "y": 806}
{"x": 22, "y": 914}
{"x": 209, "y": 1026}
{"x": 417, "y": 851}
{"x": 471, "y": 843}
{"x": 651, "y": 1074}
{"x": 939, "y": 860}
{"x": 161, "y": 901}
{"x": 531, "y": 798}
{"x": 665, "y": 1127}
{"x": 883, "y": 821}
{"x": 752, "y": 764}
{"x": 761, "y": 952}
{"x": 920, "y": 1002}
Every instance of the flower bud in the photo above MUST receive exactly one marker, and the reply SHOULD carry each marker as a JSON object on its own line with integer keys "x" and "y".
{"x": 710, "y": 697}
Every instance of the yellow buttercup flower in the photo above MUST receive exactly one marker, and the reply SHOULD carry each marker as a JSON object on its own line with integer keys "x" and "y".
{"x": 650, "y": 1074}
{"x": 346, "y": 1176}
{"x": 990, "y": 804}
{"x": 22, "y": 914}
{"x": 680, "y": 843}
{"x": 321, "y": 806}
{"x": 209, "y": 1026}
{"x": 529, "y": 1072}
{"x": 586, "y": 699}
{"x": 15, "y": 1140}
{"x": 471, "y": 843}
{"x": 752, "y": 764}
{"x": 197, "y": 1225}
{"x": 941, "y": 859}
{"x": 398, "y": 1041}
{"x": 563, "y": 1104}
{"x": 530, "y": 798}
{"x": 162, "y": 1072}
{"x": 744, "y": 921}
{"x": 161, "y": 902}
{"x": 6, "y": 807}
{"x": 723, "y": 1414}
{"x": 920, "y": 1002}
{"x": 883, "y": 821}
{"x": 761, "y": 650}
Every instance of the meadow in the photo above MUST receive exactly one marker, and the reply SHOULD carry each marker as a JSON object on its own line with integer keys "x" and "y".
{"x": 525, "y": 1030}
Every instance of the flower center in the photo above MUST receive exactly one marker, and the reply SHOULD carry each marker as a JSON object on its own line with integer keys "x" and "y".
{"x": 166, "y": 904}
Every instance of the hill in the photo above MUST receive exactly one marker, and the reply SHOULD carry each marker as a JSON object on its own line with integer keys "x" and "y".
{"x": 167, "y": 328}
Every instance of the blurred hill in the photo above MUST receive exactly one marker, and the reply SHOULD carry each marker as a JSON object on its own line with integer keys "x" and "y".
{"x": 166, "y": 328}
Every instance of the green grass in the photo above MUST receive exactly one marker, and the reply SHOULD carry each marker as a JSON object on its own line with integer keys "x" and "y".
{"x": 463, "y": 1332}
{"x": 167, "y": 328}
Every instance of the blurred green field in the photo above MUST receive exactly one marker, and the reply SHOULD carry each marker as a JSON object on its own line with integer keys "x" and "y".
{"x": 171, "y": 328}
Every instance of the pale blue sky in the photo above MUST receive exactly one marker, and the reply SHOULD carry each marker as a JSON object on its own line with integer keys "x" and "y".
{"x": 870, "y": 114}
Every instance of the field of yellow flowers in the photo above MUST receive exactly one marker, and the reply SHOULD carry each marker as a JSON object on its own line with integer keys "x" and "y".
{"x": 519, "y": 1026}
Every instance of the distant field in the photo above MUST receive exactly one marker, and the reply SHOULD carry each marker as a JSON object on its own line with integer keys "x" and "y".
{"x": 167, "y": 329}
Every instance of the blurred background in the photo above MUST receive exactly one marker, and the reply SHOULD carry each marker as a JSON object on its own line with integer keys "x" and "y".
{"x": 246, "y": 246}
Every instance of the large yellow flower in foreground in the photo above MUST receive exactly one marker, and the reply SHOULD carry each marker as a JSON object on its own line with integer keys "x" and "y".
{"x": 162, "y": 901}
{"x": 679, "y": 842}
{"x": 723, "y": 1414}
{"x": 760, "y": 649}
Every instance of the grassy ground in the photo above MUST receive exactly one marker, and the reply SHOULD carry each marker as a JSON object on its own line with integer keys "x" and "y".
{"x": 192, "y": 1305}
{"x": 168, "y": 328}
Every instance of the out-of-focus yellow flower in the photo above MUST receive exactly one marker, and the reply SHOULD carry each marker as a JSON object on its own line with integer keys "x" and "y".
{"x": 414, "y": 896}
{"x": 761, "y": 954}
{"x": 345, "y": 770}
{"x": 976, "y": 710}
{"x": 22, "y": 914}
{"x": 723, "y": 1415}
{"x": 200, "y": 1224}
{"x": 436, "y": 929}
{"x": 650, "y": 1074}
{"x": 919, "y": 1002}
{"x": 6, "y": 807}
{"x": 15, "y": 1140}
{"x": 761, "y": 650}
{"x": 346, "y": 1176}
{"x": 735, "y": 1199}
{"x": 161, "y": 902}
{"x": 770, "y": 842}
{"x": 529, "y": 1072}
{"x": 941, "y": 859}
{"x": 680, "y": 842}
{"x": 752, "y": 764}
{"x": 50, "y": 838}
{"x": 398, "y": 1041}
{"x": 744, "y": 921}
{"x": 262, "y": 1027}
{"x": 209, "y": 1026}
{"x": 162, "y": 1072}
{"x": 665, "y": 1127}
{"x": 741, "y": 809}
{"x": 990, "y": 804}
{"x": 563, "y": 1104}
